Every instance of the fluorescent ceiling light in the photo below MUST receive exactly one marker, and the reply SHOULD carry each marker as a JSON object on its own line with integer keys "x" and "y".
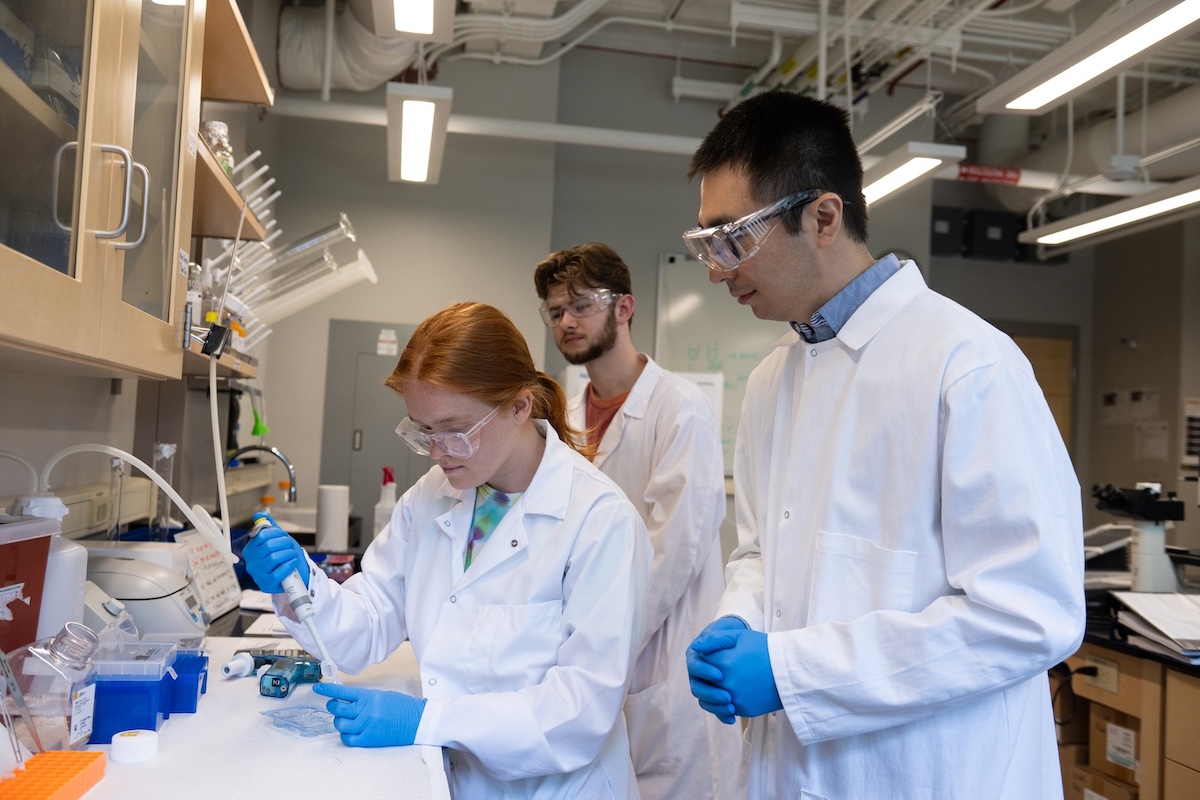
{"x": 419, "y": 20}
{"x": 417, "y": 116}
{"x": 1157, "y": 207}
{"x": 907, "y": 165}
{"x": 1104, "y": 49}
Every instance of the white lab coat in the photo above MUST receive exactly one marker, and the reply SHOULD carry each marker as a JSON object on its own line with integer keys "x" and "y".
{"x": 910, "y": 537}
{"x": 663, "y": 448}
{"x": 525, "y": 658}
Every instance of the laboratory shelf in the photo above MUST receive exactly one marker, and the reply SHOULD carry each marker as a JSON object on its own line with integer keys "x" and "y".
{"x": 217, "y": 208}
{"x": 231, "y": 364}
{"x": 231, "y": 69}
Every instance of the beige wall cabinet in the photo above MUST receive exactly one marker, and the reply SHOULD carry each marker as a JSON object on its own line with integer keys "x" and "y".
{"x": 98, "y": 178}
{"x": 92, "y": 231}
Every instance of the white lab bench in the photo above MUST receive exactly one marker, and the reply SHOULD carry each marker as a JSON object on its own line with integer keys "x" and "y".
{"x": 227, "y": 749}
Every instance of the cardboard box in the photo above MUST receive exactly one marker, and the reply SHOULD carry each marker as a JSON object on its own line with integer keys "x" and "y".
{"x": 1069, "y": 757}
{"x": 1090, "y": 784}
{"x": 1114, "y": 743}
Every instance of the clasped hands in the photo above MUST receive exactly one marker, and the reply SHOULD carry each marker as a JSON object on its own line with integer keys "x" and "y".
{"x": 730, "y": 673}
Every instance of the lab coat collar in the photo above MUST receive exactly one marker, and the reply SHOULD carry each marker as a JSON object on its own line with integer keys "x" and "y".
{"x": 634, "y": 407}
{"x": 548, "y": 494}
{"x": 883, "y": 304}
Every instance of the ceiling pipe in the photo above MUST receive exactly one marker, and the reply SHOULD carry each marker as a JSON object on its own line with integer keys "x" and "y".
{"x": 658, "y": 143}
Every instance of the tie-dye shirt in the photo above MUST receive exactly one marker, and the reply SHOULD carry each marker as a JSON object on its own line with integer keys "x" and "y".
{"x": 490, "y": 507}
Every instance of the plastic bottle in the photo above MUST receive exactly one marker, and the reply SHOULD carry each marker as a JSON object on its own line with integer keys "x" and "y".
{"x": 58, "y": 682}
{"x": 62, "y": 593}
{"x": 387, "y": 500}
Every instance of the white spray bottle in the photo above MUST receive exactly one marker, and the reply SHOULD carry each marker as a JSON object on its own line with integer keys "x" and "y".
{"x": 387, "y": 500}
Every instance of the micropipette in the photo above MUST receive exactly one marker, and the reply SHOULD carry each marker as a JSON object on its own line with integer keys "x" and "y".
{"x": 301, "y": 603}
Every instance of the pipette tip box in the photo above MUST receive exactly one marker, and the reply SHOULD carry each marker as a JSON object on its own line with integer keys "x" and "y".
{"x": 133, "y": 687}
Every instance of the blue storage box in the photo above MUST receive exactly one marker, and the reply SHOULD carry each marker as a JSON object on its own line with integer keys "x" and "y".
{"x": 189, "y": 682}
{"x": 133, "y": 687}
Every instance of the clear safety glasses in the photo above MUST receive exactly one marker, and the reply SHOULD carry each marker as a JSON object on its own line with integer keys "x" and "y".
{"x": 722, "y": 248}
{"x": 586, "y": 304}
{"x": 456, "y": 445}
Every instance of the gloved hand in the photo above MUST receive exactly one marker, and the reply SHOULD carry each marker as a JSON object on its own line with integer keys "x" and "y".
{"x": 371, "y": 717}
{"x": 745, "y": 666}
{"x": 705, "y": 679}
{"x": 271, "y": 555}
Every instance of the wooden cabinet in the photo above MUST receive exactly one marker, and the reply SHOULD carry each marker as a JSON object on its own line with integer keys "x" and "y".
{"x": 1163, "y": 698}
{"x": 103, "y": 175}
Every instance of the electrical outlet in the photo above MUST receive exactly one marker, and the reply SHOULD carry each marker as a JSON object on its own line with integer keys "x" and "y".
{"x": 1106, "y": 675}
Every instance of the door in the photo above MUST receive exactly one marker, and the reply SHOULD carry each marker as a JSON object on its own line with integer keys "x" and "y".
{"x": 358, "y": 433}
{"x": 1053, "y": 362}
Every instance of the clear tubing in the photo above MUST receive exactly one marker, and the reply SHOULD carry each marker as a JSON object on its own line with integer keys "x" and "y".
{"x": 206, "y": 528}
{"x": 33, "y": 476}
{"x": 218, "y": 461}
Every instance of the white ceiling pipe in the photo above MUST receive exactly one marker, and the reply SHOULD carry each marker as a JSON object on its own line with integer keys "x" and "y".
{"x": 503, "y": 128}
{"x": 628, "y": 140}
{"x": 1169, "y": 121}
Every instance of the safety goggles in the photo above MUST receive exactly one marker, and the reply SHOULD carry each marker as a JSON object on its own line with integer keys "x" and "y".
{"x": 722, "y": 248}
{"x": 586, "y": 304}
{"x": 456, "y": 445}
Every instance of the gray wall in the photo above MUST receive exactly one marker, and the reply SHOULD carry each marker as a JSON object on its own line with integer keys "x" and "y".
{"x": 1146, "y": 289}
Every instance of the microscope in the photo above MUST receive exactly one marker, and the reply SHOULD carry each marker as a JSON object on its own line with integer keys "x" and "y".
{"x": 1151, "y": 567}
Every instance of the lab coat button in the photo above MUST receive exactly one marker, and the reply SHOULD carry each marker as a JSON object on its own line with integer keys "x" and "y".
{"x": 812, "y": 352}
{"x": 513, "y": 542}
{"x": 453, "y": 598}
{"x": 778, "y": 613}
{"x": 787, "y": 514}
{"x": 433, "y": 681}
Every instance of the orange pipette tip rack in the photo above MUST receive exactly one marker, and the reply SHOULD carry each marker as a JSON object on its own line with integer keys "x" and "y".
{"x": 55, "y": 775}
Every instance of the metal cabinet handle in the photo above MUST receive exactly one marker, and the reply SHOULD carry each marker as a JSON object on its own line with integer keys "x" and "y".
{"x": 54, "y": 178}
{"x": 126, "y": 157}
{"x": 145, "y": 208}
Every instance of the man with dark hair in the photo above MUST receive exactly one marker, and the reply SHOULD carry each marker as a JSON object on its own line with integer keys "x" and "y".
{"x": 909, "y": 560}
{"x": 658, "y": 440}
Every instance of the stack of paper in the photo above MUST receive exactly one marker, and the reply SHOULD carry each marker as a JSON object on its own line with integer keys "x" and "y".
{"x": 1167, "y": 623}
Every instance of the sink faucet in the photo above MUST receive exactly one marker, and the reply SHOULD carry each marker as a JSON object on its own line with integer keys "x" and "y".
{"x": 275, "y": 451}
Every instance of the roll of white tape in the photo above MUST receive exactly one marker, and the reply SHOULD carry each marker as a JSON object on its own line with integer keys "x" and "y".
{"x": 130, "y": 747}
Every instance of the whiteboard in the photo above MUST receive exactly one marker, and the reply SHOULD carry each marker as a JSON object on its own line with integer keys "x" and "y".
{"x": 700, "y": 328}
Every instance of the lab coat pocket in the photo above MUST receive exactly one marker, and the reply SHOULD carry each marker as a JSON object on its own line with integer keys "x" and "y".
{"x": 646, "y": 715}
{"x": 853, "y": 576}
{"x": 513, "y": 646}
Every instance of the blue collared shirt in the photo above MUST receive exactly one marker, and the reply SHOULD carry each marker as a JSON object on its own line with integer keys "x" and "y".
{"x": 829, "y": 318}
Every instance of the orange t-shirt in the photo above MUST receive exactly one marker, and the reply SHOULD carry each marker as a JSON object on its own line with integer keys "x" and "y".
{"x": 600, "y": 413}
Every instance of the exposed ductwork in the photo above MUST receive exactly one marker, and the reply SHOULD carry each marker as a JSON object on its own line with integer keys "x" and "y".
{"x": 1167, "y": 123}
{"x": 361, "y": 60}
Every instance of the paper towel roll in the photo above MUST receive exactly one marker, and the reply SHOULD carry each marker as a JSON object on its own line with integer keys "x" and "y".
{"x": 333, "y": 517}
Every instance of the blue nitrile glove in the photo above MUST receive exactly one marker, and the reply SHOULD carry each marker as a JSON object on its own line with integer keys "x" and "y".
{"x": 271, "y": 555}
{"x": 704, "y": 678}
{"x": 371, "y": 717}
{"x": 745, "y": 666}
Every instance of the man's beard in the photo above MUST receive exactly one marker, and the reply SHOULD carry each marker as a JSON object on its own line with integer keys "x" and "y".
{"x": 608, "y": 338}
